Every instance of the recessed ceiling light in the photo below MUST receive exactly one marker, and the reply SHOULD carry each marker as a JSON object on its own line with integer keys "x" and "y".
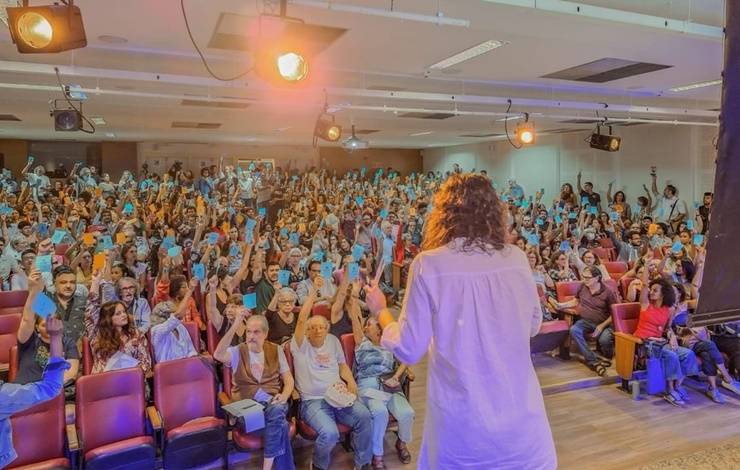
{"x": 110, "y": 134}
{"x": 468, "y": 54}
{"x": 110, "y": 39}
{"x": 98, "y": 121}
{"x": 416, "y": 134}
{"x": 694, "y": 86}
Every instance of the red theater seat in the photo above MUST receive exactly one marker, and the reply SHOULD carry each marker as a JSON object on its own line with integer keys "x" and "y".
{"x": 624, "y": 318}
{"x": 552, "y": 335}
{"x": 616, "y": 269}
{"x": 110, "y": 416}
{"x": 9, "y": 325}
{"x": 322, "y": 309}
{"x": 39, "y": 435}
{"x": 12, "y": 301}
{"x": 185, "y": 397}
{"x": 348, "y": 346}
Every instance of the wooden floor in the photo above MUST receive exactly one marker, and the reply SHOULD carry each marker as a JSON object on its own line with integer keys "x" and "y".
{"x": 595, "y": 428}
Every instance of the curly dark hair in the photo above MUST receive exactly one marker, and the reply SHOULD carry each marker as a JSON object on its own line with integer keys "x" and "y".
{"x": 108, "y": 342}
{"x": 466, "y": 206}
{"x": 669, "y": 295}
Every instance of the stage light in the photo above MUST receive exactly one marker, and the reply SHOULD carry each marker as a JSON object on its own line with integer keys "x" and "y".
{"x": 606, "y": 142}
{"x": 67, "y": 120}
{"x": 48, "y": 28}
{"x": 525, "y": 133}
{"x": 292, "y": 67}
{"x": 327, "y": 129}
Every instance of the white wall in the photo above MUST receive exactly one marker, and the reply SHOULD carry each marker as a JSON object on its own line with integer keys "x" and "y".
{"x": 684, "y": 156}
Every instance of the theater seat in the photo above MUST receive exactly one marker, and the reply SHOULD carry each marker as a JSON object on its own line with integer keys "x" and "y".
{"x": 87, "y": 357}
{"x": 9, "y": 325}
{"x": 39, "y": 436}
{"x": 625, "y": 317}
{"x": 624, "y": 285}
{"x": 110, "y": 416}
{"x": 185, "y": 398}
{"x": 552, "y": 335}
{"x": 348, "y": 346}
{"x": 616, "y": 269}
{"x": 604, "y": 254}
{"x": 322, "y": 309}
{"x": 566, "y": 291}
{"x": 13, "y": 364}
{"x": 12, "y": 301}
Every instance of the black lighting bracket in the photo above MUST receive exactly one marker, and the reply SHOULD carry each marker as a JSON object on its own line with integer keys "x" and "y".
{"x": 65, "y": 92}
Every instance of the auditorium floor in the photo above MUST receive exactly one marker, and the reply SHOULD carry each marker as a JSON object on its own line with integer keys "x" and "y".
{"x": 594, "y": 428}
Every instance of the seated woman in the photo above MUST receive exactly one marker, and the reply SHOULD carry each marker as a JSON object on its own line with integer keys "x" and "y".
{"x": 656, "y": 304}
{"x": 543, "y": 281}
{"x": 560, "y": 271}
{"x": 170, "y": 339}
{"x": 34, "y": 342}
{"x": 378, "y": 382}
{"x": 586, "y": 259}
{"x": 341, "y": 324}
{"x": 280, "y": 316}
{"x": 176, "y": 288}
{"x": 222, "y": 318}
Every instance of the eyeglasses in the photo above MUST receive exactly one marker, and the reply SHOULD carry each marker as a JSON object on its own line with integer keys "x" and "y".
{"x": 285, "y": 301}
{"x": 315, "y": 270}
{"x": 128, "y": 288}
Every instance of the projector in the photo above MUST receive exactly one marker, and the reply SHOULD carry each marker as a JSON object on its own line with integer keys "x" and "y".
{"x": 353, "y": 143}
{"x": 609, "y": 143}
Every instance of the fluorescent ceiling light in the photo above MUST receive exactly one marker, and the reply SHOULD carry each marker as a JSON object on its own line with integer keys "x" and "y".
{"x": 416, "y": 134}
{"x": 468, "y": 54}
{"x": 98, "y": 121}
{"x": 694, "y": 86}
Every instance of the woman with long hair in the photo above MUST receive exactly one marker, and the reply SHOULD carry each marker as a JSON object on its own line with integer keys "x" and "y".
{"x": 471, "y": 301}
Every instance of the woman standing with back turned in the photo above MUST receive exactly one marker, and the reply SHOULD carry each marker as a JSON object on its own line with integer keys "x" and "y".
{"x": 472, "y": 303}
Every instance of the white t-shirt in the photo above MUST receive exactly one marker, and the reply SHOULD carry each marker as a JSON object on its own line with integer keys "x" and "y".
{"x": 316, "y": 369}
{"x": 257, "y": 362}
{"x": 663, "y": 211}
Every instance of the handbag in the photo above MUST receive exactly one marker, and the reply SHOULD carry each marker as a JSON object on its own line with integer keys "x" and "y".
{"x": 655, "y": 375}
{"x": 386, "y": 388}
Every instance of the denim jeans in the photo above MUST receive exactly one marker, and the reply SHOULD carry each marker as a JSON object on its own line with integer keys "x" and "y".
{"x": 398, "y": 406}
{"x": 679, "y": 363}
{"x": 710, "y": 357}
{"x": 276, "y": 436}
{"x": 584, "y": 327}
{"x": 323, "y": 418}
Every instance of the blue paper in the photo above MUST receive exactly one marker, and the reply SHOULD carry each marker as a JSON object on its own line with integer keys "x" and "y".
{"x": 327, "y": 269}
{"x": 360, "y": 200}
{"x": 231, "y": 211}
{"x": 284, "y": 277}
{"x": 106, "y": 242}
{"x": 540, "y": 222}
{"x": 266, "y": 244}
{"x": 294, "y": 239}
{"x": 249, "y": 236}
{"x": 614, "y": 216}
{"x": 43, "y": 263}
{"x": 174, "y": 251}
{"x": 284, "y": 232}
{"x": 213, "y": 238}
{"x": 677, "y": 247}
{"x": 593, "y": 210}
{"x": 295, "y": 177}
{"x": 584, "y": 201}
{"x": 251, "y": 223}
{"x": 558, "y": 219}
{"x": 357, "y": 252}
{"x": 250, "y": 300}
{"x": 234, "y": 250}
{"x": 58, "y": 236}
{"x": 533, "y": 239}
{"x": 565, "y": 246}
{"x": 43, "y": 306}
{"x": 690, "y": 224}
{"x": 383, "y": 213}
{"x": 43, "y": 230}
{"x": 698, "y": 239}
{"x": 128, "y": 208}
{"x": 353, "y": 271}
{"x": 318, "y": 255}
{"x": 199, "y": 271}
{"x": 262, "y": 212}
{"x": 572, "y": 215}
{"x": 168, "y": 242}
{"x": 525, "y": 203}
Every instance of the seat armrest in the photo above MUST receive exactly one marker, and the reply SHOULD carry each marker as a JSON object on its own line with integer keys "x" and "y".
{"x": 628, "y": 337}
{"x": 73, "y": 442}
{"x": 154, "y": 417}
{"x": 223, "y": 398}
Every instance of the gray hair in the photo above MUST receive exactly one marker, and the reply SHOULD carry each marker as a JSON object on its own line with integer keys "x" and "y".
{"x": 287, "y": 291}
{"x": 262, "y": 321}
{"x": 320, "y": 318}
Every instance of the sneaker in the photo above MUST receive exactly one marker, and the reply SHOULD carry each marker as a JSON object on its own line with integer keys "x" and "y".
{"x": 683, "y": 393}
{"x": 731, "y": 386}
{"x": 673, "y": 398}
{"x": 715, "y": 396}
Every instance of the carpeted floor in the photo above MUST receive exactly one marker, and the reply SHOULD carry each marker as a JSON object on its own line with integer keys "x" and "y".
{"x": 724, "y": 457}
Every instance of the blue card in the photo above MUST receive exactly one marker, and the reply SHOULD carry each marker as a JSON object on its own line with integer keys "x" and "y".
{"x": 128, "y": 208}
{"x": 294, "y": 239}
{"x": 327, "y": 269}
{"x": 690, "y": 224}
{"x": 58, "y": 236}
{"x": 234, "y": 250}
{"x": 584, "y": 201}
{"x": 558, "y": 219}
{"x": 363, "y": 170}
{"x": 213, "y": 238}
{"x": 43, "y": 230}
{"x": 251, "y": 224}
{"x": 284, "y": 277}
{"x": 677, "y": 247}
{"x": 199, "y": 271}
{"x": 383, "y": 213}
{"x": 262, "y": 212}
{"x": 43, "y": 263}
{"x": 318, "y": 255}
{"x": 533, "y": 239}
{"x": 250, "y": 300}
{"x": 284, "y": 232}
{"x": 106, "y": 242}
{"x": 231, "y": 210}
{"x": 572, "y": 215}
{"x": 360, "y": 200}
{"x": 295, "y": 177}
{"x": 525, "y": 203}
{"x": 593, "y": 210}
{"x": 565, "y": 246}
{"x": 614, "y": 216}
{"x": 353, "y": 271}
{"x": 174, "y": 251}
{"x": 698, "y": 239}
{"x": 251, "y": 166}
{"x": 357, "y": 252}
{"x": 540, "y": 222}
{"x": 266, "y": 244}
{"x": 43, "y": 306}
{"x": 249, "y": 236}
{"x": 168, "y": 242}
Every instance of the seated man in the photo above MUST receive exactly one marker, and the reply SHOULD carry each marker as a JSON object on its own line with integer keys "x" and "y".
{"x": 319, "y": 364}
{"x": 593, "y": 303}
{"x": 327, "y": 291}
{"x": 261, "y": 372}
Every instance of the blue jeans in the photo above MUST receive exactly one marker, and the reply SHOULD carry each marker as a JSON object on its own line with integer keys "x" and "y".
{"x": 679, "y": 363}
{"x": 277, "y": 436}
{"x": 584, "y": 327}
{"x": 323, "y": 418}
{"x": 398, "y": 406}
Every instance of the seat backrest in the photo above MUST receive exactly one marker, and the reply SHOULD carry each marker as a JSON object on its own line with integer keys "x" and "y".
{"x": 616, "y": 268}
{"x": 625, "y": 317}
{"x": 184, "y": 389}
{"x": 87, "y": 357}
{"x": 192, "y": 328}
{"x": 226, "y": 379}
{"x": 602, "y": 253}
{"x": 322, "y": 309}
{"x": 110, "y": 407}
{"x": 212, "y": 338}
{"x": 38, "y": 432}
{"x": 13, "y": 364}
{"x": 611, "y": 284}
{"x": 606, "y": 243}
{"x": 13, "y": 298}
{"x": 567, "y": 290}
{"x": 624, "y": 284}
{"x": 61, "y": 249}
{"x": 8, "y": 335}
{"x": 348, "y": 345}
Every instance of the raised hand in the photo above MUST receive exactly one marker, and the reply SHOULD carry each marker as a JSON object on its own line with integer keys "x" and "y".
{"x": 213, "y": 283}
{"x": 374, "y": 297}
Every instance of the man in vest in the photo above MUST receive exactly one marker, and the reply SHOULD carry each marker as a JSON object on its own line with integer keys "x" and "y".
{"x": 260, "y": 372}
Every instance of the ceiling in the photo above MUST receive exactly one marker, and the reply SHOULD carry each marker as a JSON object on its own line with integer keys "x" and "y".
{"x": 375, "y": 72}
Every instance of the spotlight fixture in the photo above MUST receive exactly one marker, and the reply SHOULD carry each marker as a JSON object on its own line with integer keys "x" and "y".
{"x": 353, "y": 143}
{"x": 525, "y": 133}
{"x": 292, "y": 66}
{"x": 48, "y": 28}
{"x": 67, "y": 120}
{"x": 69, "y": 116}
{"x": 327, "y": 129}
{"x": 606, "y": 142}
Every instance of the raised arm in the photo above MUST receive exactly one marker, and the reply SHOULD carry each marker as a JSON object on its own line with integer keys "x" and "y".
{"x": 28, "y": 320}
{"x": 214, "y": 316}
{"x": 222, "y": 350}
{"x": 578, "y": 183}
{"x": 300, "y": 326}
{"x": 654, "y": 178}
{"x": 355, "y": 314}
{"x": 645, "y": 291}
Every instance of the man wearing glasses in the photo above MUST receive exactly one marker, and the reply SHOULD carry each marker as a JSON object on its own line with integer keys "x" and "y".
{"x": 325, "y": 293}
{"x": 126, "y": 290}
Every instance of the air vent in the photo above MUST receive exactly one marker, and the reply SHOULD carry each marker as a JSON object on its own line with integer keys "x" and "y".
{"x": 9, "y": 117}
{"x": 215, "y": 104}
{"x": 417, "y": 115}
{"x": 366, "y": 131}
{"x": 195, "y": 125}
{"x": 480, "y": 136}
{"x": 606, "y": 70}
{"x": 236, "y": 32}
